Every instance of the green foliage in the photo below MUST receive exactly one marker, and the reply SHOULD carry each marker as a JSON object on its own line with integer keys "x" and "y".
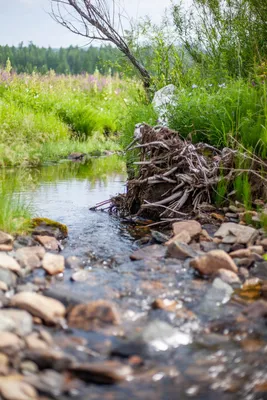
{"x": 223, "y": 116}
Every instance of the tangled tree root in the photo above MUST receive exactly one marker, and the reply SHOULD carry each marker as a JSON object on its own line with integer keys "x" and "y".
{"x": 175, "y": 177}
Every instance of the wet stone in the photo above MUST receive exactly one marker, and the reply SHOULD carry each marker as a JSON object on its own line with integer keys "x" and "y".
{"x": 227, "y": 276}
{"x": 30, "y": 257}
{"x": 53, "y": 264}
{"x": 81, "y": 276}
{"x": 49, "y": 358}
{"x": 159, "y": 237}
{"x": 49, "y": 310}
{"x": 10, "y": 344}
{"x": 48, "y": 242}
{"x": 149, "y": 252}
{"x": 256, "y": 310}
{"x": 49, "y": 382}
{"x": 164, "y": 304}
{"x": 73, "y": 262}
{"x": 107, "y": 372}
{"x": 93, "y": 315}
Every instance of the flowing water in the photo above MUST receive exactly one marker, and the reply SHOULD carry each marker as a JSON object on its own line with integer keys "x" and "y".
{"x": 198, "y": 349}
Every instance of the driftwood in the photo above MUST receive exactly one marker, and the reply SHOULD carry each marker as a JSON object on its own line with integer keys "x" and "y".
{"x": 175, "y": 178}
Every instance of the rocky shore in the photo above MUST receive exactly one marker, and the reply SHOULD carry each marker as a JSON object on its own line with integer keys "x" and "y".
{"x": 185, "y": 313}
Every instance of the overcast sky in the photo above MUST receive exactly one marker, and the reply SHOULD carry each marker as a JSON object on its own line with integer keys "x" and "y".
{"x": 28, "y": 20}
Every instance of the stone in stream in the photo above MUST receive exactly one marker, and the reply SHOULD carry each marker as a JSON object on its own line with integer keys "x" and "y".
{"x": 94, "y": 315}
{"x": 50, "y": 382}
{"x": 30, "y": 257}
{"x": 156, "y": 336}
{"x": 9, "y": 262}
{"x": 10, "y": 344}
{"x": 81, "y": 276}
{"x": 48, "y": 227}
{"x": 107, "y": 372}
{"x": 49, "y": 310}
{"x": 48, "y": 242}
{"x": 50, "y": 358}
{"x": 13, "y": 388}
{"x": 191, "y": 226}
{"x": 256, "y": 310}
{"x": 211, "y": 262}
{"x": 53, "y": 264}
{"x": 181, "y": 251}
{"x": 231, "y": 233}
{"x": 159, "y": 237}
{"x": 155, "y": 251}
{"x": 20, "y": 322}
{"x": 73, "y": 262}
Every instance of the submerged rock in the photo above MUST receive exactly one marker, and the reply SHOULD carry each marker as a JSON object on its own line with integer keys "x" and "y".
{"x": 94, "y": 315}
{"x": 102, "y": 372}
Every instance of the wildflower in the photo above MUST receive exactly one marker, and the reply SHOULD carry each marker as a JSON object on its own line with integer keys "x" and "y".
{"x": 194, "y": 86}
{"x": 222, "y": 85}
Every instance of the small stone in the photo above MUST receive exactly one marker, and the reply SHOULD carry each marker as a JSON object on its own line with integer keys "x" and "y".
{"x": 49, "y": 382}
{"x": 263, "y": 243}
{"x": 21, "y": 321}
{"x": 102, "y": 372}
{"x": 3, "y": 286}
{"x": 243, "y": 272}
{"x": 90, "y": 316}
{"x": 6, "y": 247}
{"x": 30, "y": 257}
{"x": 211, "y": 262}
{"x": 9, "y": 263}
{"x": 48, "y": 242}
{"x": 49, "y": 310}
{"x": 28, "y": 367}
{"x": 73, "y": 262}
{"x": 180, "y": 251}
{"x": 81, "y": 276}
{"x": 149, "y": 252}
{"x": 241, "y": 253}
{"x": 191, "y": 226}
{"x": 244, "y": 262}
{"x": 159, "y": 237}
{"x": 34, "y": 342}
{"x": 182, "y": 237}
{"x": 208, "y": 246}
{"x": 10, "y": 344}
{"x": 257, "y": 250}
{"x": 231, "y": 232}
{"x": 5, "y": 238}
{"x": 53, "y": 264}
{"x": 227, "y": 276}
{"x": 12, "y": 389}
{"x": 256, "y": 310}
{"x": 50, "y": 358}
{"x": 8, "y": 277}
{"x": 164, "y": 304}
{"x": 4, "y": 364}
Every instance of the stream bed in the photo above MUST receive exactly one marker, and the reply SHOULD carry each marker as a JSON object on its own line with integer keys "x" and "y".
{"x": 182, "y": 336}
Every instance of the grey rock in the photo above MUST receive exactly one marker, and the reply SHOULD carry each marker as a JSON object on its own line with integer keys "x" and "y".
{"x": 20, "y": 321}
{"x": 149, "y": 252}
{"x": 181, "y": 251}
{"x": 73, "y": 262}
{"x": 30, "y": 257}
{"x": 8, "y": 277}
{"x": 231, "y": 233}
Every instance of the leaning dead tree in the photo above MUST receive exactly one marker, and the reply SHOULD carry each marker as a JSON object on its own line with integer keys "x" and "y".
{"x": 97, "y": 20}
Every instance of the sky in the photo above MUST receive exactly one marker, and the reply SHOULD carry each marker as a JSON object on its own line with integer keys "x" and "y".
{"x": 29, "y": 20}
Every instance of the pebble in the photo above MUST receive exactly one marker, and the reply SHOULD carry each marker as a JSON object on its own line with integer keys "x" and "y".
{"x": 180, "y": 251}
{"x": 241, "y": 253}
{"x": 80, "y": 276}
{"x": 16, "y": 389}
{"x": 164, "y": 304}
{"x": 9, "y": 262}
{"x": 149, "y": 252}
{"x": 10, "y": 344}
{"x": 8, "y": 277}
{"x": 182, "y": 237}
{"x": 53, "y": 264}
{"x": 73, "y": 262}
{"x": 213, "y": 261}
{"x": 48, "y": 242}
{"x": 30, "y": 257}
{"x": 49, "y": 310}
{"x": 20, "y": 321}
{"x": 227, "y": 276}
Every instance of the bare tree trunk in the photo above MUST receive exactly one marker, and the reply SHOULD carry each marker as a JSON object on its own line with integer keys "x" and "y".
{"x": 97, "y": 19}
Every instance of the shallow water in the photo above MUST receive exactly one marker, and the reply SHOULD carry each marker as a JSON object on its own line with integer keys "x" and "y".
{"x": 209, "y": 356}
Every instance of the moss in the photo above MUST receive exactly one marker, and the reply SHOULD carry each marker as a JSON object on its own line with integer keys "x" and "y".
{"x": 35, "y": 222}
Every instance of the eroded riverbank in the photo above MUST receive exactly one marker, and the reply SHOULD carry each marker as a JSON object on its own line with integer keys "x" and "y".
{"x": 130, "y": 323}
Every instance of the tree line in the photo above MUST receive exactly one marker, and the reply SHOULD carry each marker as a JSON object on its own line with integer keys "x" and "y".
{"x": 71, "y": 60}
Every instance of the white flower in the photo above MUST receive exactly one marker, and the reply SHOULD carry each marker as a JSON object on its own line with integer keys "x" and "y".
{"x": 223, "y": 85}
{"x": 194, "y": 86}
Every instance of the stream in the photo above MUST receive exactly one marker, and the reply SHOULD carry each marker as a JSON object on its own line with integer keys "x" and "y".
{"x": 196, "y": 348}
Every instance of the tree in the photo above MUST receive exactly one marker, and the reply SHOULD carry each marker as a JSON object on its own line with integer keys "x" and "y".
{"x": 100, "y": 20}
